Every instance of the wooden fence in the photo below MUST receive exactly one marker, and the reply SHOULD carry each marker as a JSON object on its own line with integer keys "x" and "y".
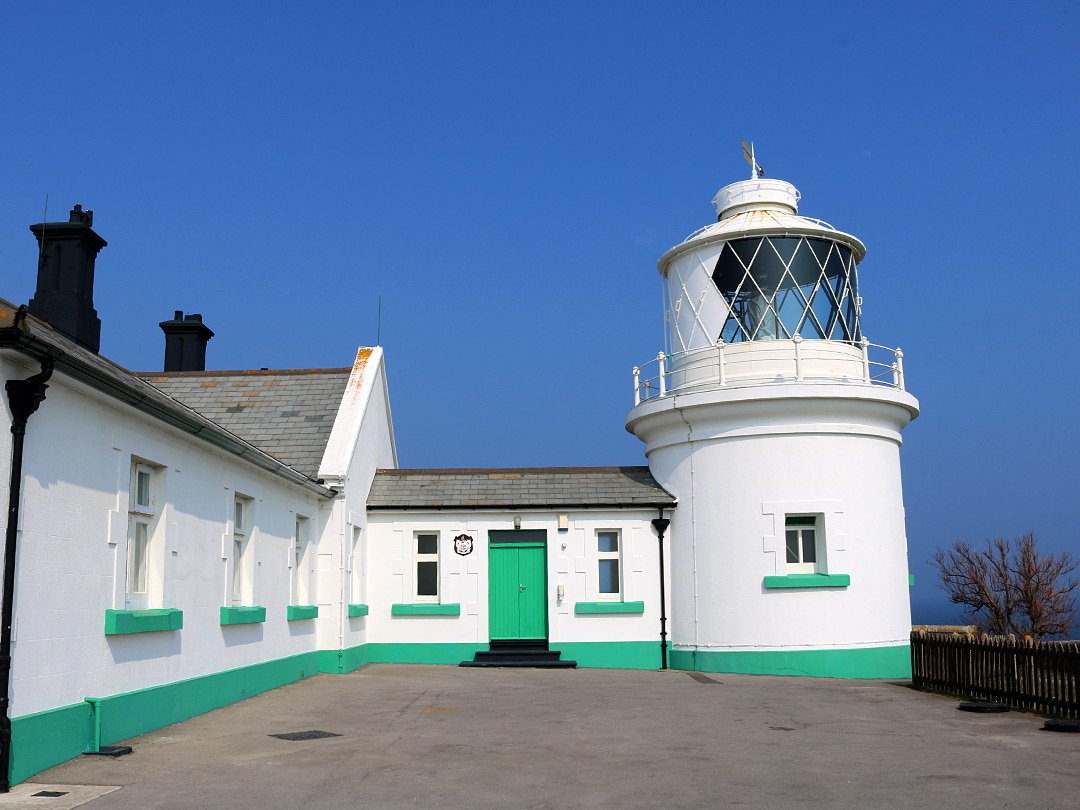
{"x": 1037, "y": 676}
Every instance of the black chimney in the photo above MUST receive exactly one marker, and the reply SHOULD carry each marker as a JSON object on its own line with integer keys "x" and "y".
{"x": 65, "y": 282}
{"x": 185, "y": 342}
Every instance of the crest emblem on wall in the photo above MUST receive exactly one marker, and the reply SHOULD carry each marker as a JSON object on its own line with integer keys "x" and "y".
{"x": 463, "y": 544}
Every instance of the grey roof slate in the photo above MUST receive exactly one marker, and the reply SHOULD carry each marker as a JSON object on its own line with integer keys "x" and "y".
{"x": 37, "y": 339}
{"x": 517, "y": 487}
{"x": 287, "y": 414}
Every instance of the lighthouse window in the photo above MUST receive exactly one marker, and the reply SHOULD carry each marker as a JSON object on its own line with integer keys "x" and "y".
{"x": 801, "y": 536}
{"x": 777, "y": 287}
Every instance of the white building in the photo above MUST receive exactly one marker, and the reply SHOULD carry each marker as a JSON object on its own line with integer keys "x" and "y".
{"x": 187, "y": 538}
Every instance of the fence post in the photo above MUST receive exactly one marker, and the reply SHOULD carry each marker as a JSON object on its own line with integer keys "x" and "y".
{"x": 637, "y": 385}
{"x": 865, "y": 360}
{"x": 899, "y": 377}
{"x": 798, "y": 356}
{"x": 663, "y": 381}
{"x": 721, "y": 376}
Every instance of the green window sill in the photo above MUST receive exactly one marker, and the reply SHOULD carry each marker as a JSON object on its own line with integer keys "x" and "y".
{"x": 357, "y": 610}
{"x": 424, "y": 609}
{"x": 243, "y": 615}
{"x": 118, "y": 622}
{"x": 809, "y": 581}
{"x": 303, "y": 612}
{"x": 609, "y": 607}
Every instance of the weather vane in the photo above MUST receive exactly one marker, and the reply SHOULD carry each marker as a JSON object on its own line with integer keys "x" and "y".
{"x": 756, "y": 171}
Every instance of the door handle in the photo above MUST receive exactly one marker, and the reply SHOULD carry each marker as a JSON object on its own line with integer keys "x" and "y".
{"x": 521, "y": 588}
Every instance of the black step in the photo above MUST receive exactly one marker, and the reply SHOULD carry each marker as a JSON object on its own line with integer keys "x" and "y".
{"x": 518, "y": 644}
{"x": 510, "y": 662}
{"x": 532, "y": 655}
{"x": 519, "y": 653}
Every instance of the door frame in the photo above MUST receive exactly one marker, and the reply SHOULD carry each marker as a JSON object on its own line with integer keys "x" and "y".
{"x": 537, "y": 539}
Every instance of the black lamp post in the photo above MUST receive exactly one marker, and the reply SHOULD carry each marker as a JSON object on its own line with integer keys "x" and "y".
{"x": 660, "y": 524}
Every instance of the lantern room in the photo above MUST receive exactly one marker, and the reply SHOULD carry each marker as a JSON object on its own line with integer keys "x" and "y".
{"x": 764, "y": 295}
{"x": 761, "y": 272}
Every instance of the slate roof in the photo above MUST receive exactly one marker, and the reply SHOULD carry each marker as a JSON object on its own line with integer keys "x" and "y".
{"x": 37, "y": 339}
{"x": 580, "y": 487}
{"x": 287, "y": 414}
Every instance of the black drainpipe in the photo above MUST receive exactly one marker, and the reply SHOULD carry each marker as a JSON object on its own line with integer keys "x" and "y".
{"x": 660, "y": 524}
{"x": 24, "y": 396}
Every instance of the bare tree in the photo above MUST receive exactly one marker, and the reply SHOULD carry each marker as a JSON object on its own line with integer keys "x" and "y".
{"x": 1007, "y": 588}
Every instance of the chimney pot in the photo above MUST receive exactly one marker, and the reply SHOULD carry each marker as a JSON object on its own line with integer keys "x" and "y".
{"x": 65, "y": 282}
{"x": 185, "y": 342}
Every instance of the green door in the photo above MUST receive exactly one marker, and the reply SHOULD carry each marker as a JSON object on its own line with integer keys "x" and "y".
{"x": 517, "y": 577}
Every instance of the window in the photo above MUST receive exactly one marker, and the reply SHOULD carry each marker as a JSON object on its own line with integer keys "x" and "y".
{"x": 607, "y": 566}
{"x": 801, "y": 534}
{"x": 240, "y": 588}
{"x": 426, "y": 548}
{"x": 141, "y": 520}
{"x": 301, "y": 590}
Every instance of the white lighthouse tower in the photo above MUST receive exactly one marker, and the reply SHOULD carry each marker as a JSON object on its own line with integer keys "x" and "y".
{"x": 777, "y": 425}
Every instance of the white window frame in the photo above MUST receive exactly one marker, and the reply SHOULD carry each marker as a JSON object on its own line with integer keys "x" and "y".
{"x": 241, "y": 586}
{"x": 356, "y": 590}
{"x": 419, "y": 558}
{"x": 801, "y": 566}
{"x": 142, "y": 520}
{"x": 617, "y": 595}
{"x": 301, "y": 561}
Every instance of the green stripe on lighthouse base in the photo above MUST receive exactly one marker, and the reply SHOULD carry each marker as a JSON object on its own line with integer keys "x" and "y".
{"x": 856, "y": 662}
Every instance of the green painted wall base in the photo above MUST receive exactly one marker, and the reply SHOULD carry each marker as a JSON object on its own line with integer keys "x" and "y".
{"x": 859, "y": 662}
{"x": 422, "y": 653}
{"x": 611, "y": 654}
{"x": 338, "y": 662}
{"x": 48, "y": 738}
{"x": 601, "y": 654}
{"x": 44, "y": 739}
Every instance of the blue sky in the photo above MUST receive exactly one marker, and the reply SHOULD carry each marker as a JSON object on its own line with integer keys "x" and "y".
{"x": 506, "y": 175}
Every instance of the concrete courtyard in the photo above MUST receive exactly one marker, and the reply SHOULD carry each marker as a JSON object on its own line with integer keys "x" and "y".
{"x": 445, "y": 737}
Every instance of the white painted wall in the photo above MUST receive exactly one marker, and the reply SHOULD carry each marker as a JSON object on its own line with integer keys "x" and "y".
{"x": 739, "y": 460}
{"x": 361, "y": 441}
{"x": 73, "y": 551}
{"x": 464, "y": 579}
{"x": 8, "y": 370}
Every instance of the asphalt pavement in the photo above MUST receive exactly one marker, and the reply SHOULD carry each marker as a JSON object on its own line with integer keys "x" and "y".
{"x": 414, "y": 736}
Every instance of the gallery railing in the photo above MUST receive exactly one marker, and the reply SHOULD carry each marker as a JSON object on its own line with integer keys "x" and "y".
{"x": 760, "y": 362}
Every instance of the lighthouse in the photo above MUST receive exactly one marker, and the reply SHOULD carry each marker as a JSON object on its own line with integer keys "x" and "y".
{"x": 776, "y": 423}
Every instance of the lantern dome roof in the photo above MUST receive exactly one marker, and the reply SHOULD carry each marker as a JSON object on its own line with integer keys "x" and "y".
{"x": 760, "y": 207}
